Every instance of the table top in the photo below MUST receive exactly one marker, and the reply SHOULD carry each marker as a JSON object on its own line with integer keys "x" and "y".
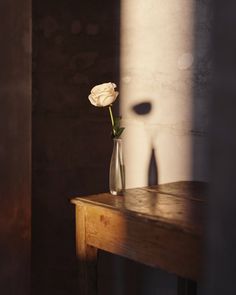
{"x": 178, "y": 204}
{"x": 166, "y": 219}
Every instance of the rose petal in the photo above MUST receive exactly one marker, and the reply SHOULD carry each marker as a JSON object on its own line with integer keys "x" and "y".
{"x": 107, "y": 100}
{"x": 116, "y": 94}
{"x": 101, "y": 87}
{"x": 93, "y": 100}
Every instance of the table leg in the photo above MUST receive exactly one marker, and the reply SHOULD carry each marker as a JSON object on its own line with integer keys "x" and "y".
{"x": 186, "y": 287}
{"x": 86, "y": 255}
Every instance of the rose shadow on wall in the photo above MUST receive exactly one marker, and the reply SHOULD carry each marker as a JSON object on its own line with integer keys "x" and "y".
{"x": 144, "y": 109}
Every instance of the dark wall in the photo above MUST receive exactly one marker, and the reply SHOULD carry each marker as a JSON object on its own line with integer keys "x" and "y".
{"x": 75, "y": 46}
{"x": 15, "y": 143}
{"x": 221, "y": 235}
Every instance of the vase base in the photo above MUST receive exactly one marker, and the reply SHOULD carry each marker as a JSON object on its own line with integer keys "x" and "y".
{"x": 115, "y": 193}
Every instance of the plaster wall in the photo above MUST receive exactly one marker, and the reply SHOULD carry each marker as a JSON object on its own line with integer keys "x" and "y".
{"x": 165, "y": 65}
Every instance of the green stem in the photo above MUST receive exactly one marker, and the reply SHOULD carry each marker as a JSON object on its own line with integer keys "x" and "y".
{"x": 111, "y": 114}
{"x": 112, "y": 119}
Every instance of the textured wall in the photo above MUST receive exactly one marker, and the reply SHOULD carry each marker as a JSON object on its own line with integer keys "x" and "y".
{"x": 76, "y": 45}
{"x": 165, "y": 64}
{"x": 74, "y": 48}
{"x": 15, "y": 146}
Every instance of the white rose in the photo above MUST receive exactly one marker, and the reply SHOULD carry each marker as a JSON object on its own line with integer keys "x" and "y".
{"x": 103, "y": 95}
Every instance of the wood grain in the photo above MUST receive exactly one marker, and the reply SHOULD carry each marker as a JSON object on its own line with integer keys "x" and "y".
{"x": 86, "y": 254}
{"x": 160, "y": 226}
{"x": 146, "y": 241}
{"x": 179, "y": 204}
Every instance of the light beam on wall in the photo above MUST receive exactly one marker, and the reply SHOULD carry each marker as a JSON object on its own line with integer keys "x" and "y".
{"x": 157, "y": 61}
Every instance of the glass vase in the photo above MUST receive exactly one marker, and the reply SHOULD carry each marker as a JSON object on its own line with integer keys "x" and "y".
{"x": 117, "y": 169}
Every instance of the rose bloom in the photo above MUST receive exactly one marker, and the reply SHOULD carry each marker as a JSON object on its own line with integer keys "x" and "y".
{"x": 103, "y": 95}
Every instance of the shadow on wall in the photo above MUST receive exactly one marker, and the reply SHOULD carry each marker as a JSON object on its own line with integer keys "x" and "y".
{"x": 143, "y": 109}
{"x": 201, "y": 90}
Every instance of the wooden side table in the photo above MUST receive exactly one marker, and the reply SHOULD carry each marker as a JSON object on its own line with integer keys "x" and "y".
{"x": 160, "y": 226}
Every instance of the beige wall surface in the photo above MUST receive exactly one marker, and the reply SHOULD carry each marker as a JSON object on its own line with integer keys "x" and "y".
{"x": 165, "y": 61}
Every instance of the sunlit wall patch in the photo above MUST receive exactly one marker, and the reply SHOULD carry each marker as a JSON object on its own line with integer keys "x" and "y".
{"x": 156, "y": 64}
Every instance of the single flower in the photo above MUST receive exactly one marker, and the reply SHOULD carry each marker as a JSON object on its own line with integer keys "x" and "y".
{"x": 103, "y": 95}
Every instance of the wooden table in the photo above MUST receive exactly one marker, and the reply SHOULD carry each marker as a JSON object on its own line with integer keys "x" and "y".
{"x": 160, "y": 226}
